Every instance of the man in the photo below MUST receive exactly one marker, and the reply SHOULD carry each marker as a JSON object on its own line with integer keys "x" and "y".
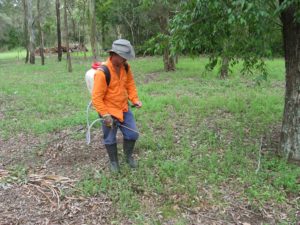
{"x": 111, "y": 102}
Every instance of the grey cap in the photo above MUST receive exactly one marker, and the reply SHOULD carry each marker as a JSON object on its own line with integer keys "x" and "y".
{"x": 123, "y": 48}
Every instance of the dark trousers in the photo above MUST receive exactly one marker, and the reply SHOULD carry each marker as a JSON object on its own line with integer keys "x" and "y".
{"x": 110, "y": 134}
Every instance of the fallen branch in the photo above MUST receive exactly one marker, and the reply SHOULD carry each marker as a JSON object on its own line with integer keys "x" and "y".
{"x": 42, "y": 192}
{"x": 50, "y": 186}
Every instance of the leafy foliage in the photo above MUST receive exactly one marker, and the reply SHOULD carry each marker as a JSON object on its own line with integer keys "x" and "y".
{"x": 235, "y": 30}
{"x": 11, "y": 34}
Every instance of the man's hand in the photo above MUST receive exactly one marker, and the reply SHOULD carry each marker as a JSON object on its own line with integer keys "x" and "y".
{"x": 138, "y": 104}
{"x": 108, "y": 120}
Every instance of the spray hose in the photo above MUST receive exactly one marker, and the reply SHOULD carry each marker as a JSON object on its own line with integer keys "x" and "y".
{"x": 89, "y": 126}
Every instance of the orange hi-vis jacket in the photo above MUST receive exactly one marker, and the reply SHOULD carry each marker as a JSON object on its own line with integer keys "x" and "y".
{"x": 113, "y": 99}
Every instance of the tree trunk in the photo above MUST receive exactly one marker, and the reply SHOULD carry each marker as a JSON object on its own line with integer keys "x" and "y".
{"x": 27, "y": 55}
{"x": 31, "y": 33}
{"x": 59, "y": 48}
{"x": 132, "y": 35}
{"x": 93, "y": 29}
{"x": 40, "y": 34}
{"x": 224, "y": 67}
{"x": 73, "y": 28}
{"x": 83, "y": 34}
{"x": 83, "y": 41}
{"x": 168, "y": 59}
{"x": 225, "y": 60}
{"x": 290, "y": 131}
{"x": 67, "y": 37}
{"x": 118, "y": 31}
{"x": 130, "y": 25}
{"x": 169, "y": 62}
{"x": 103, "y": 35}
{"x": 26, "y": 43}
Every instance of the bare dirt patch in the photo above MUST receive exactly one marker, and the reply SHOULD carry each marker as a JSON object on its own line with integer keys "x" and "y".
{"x": 24, "y": 205}
{"x": 150, "y": 77}
{"x": 60, "y": 154}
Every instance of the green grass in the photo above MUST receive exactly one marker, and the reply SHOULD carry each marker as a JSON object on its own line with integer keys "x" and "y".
{"x": 17, "y": 54}
{"x": 198, "y": 132}
{"x": 18, "y": 174}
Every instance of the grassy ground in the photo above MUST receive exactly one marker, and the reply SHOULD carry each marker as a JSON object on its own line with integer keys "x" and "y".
{"x": 207, "y": 146}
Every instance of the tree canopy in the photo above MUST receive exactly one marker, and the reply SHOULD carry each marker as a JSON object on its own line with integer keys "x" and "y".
{"x": 246, "y": 30}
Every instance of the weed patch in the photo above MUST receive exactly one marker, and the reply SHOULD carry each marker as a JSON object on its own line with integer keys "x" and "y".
{"x": 198, "y": 150}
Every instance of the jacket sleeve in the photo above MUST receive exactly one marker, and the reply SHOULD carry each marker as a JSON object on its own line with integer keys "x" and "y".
{"x": 131, "y": 88}
{"x": 98, "y": 93}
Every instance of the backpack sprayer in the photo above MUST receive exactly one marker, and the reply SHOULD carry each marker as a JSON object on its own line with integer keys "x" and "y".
{"x": 89, "y": 79}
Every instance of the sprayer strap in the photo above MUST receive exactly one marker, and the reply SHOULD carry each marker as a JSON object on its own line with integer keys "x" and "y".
{"x": 106, "y": 72}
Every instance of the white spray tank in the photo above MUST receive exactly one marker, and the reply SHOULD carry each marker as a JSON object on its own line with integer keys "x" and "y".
{"x": 89, "y": 76}
{"x": 89, "y": 79}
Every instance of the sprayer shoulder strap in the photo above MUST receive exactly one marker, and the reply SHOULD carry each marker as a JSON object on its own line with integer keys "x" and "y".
{"x": 106, "y": 72}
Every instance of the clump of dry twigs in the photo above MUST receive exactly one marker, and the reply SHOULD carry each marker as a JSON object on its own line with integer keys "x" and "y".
{"x": 52, "y": 187}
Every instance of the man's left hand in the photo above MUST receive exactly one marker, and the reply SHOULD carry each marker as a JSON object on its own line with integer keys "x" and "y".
{"x": 138, "y": 104}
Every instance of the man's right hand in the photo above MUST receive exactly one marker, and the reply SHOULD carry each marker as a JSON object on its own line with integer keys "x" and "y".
{"x": 108, "y": 120}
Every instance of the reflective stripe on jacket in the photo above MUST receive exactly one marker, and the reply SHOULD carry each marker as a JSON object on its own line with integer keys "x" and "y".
{"x": 113, "y": 99}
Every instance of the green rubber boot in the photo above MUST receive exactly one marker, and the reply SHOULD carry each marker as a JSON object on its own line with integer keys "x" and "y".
{"x": 112, "y": 152}
{"x": 128, "y": 146}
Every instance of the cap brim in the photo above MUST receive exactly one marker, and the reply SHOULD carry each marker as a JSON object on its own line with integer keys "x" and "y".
{"x": 122, "y": 54}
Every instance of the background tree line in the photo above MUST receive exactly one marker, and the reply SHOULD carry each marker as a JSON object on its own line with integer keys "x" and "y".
{"x": 140, "y": 21}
